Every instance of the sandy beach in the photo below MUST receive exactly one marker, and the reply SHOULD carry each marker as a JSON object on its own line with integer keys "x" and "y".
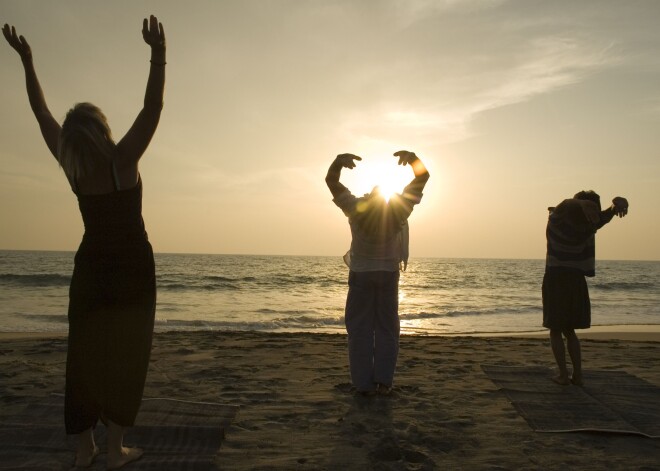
{"x": 297, "y": 410}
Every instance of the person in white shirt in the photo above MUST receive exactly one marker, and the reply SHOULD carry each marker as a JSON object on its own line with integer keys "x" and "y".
{"x": 379, "y": 249}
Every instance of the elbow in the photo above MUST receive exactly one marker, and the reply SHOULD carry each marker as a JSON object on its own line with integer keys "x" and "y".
{"x": 332, "y": 185}
{"x": 332, "y": 179}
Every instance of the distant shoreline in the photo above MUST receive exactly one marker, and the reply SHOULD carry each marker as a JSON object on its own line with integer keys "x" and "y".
{"x": 642, "y": 332}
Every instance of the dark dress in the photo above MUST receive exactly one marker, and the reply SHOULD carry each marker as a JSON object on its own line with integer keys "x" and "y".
{"x": 112, "y": 303}
{"x": 566, "y": 303}
{"x": 571, "y": 255}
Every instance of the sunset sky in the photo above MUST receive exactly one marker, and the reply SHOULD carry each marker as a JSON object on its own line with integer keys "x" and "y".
{"x": 513, "y": 106}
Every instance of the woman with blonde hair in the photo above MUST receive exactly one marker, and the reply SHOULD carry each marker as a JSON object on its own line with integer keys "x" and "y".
{"x": 112, "y": 297}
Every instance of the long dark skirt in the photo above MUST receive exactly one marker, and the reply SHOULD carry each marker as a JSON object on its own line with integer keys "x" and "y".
{"x": 566, "y": 303}
{"x": 112, "y": 302}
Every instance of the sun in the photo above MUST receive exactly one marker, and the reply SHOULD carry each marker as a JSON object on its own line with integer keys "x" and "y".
{"x": 389, "y": 177}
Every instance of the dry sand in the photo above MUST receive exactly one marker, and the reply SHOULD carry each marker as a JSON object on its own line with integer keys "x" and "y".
{"x": 297, "y": 410}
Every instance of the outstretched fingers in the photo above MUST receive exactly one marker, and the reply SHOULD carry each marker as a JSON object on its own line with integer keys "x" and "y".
{"x": 620, "y": 206}
{"x": 352, "y": 156}
{"x": 348, "y": 160}
{"x": 153, "y": 31}
{"x": 405, "y": 157}
{"x": 9, "y": 33}
{"x": 19, "y": 43}
{"x": 153, "y": 26}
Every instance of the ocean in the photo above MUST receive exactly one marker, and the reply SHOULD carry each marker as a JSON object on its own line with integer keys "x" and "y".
{"x": 305, "y": 293}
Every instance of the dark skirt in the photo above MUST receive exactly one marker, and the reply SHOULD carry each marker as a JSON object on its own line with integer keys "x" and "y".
{"x": 566, "y": 303}
{"x": 112, "y": 305}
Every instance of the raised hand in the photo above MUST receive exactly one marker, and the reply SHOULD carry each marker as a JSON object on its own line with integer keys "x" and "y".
{"x": 405, "y": 157}
{"x": 19, "y": 43}
{"x": 620, "y": 206}
{"x": 153, "y": 33}
{"x": 347, "y": 160}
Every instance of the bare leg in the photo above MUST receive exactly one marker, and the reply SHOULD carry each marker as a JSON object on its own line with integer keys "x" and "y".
{"x": 87, "y": 449}
{"x": 557, "y": 343}
{"x": 118, "y": 454}
{"x": 573, "y": 344}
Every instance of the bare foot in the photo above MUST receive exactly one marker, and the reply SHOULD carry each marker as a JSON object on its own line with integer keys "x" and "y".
{"x": 384, "y": 389}
{"x": 85, "y": 458}
{"x": 126, "y": 456}
{"x": 577, "y": 380}
{"x": 562, "y": 380}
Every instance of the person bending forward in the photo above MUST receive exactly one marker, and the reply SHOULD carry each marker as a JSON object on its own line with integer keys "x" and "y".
{"x": 571, "y": 255}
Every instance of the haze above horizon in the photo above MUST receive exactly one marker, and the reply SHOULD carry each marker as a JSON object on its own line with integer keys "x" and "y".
{"x": 512, "y": 105}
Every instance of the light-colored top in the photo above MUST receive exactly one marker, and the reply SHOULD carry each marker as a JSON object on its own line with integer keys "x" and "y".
{"x": 386, "y": 253}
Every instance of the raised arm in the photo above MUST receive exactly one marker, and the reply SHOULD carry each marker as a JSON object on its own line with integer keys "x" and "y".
{"x": 50, "y": 129}
{"x": 131, "y": 147}
{"x": 334, "y": 172}
{"x": 619, "y": 208}
{"x": 411, "y": 195}
{"x": 421, "y": 173}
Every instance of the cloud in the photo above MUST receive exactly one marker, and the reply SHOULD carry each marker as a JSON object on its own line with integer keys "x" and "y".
{"x": 412, "y": 11}
{"x": 549, "y": 63}
{"x": 444, "y": 110}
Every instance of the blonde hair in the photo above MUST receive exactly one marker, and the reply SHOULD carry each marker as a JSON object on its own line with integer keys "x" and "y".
{"x": 85, "y": 142}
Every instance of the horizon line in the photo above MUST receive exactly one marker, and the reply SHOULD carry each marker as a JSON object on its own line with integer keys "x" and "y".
{"x": 338, "y": 256}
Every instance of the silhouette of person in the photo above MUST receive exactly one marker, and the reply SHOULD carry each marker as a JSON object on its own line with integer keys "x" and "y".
{"x": 112, "y": 296}
{"x": 571, "y": 256}
{"x": 379, "y": 249}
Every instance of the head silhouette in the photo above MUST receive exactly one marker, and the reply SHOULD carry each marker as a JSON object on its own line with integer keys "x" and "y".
{"x": 375, "y": 217}
{"x": 588, "y": 195}
{"x": 85, "y": 142}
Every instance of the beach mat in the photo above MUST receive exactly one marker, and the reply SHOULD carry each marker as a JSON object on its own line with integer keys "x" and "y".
{"x": 175, "y": 435}
{"x": 610, "y": 401}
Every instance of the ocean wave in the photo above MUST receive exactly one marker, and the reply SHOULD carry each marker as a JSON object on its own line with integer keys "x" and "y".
{"x": 311, "y": 321}
{"x": 308, "y": 293}
{"x": 219, "y": 283}
{"x": 197, "y": 286}
{"x": 47, "y": 317}
{"x": 40, "y": 280}
{"x": 277, "y": 320}
{"x": 508, "y": 310}
{"x": 624, "y": 286}
{"x": 289, "y": 323}
{"x": 301, "y": 318}
{"x": 266, "y": 310}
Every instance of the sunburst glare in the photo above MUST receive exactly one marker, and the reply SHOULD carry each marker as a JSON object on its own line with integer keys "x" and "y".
{"x": 383, "y": 173}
